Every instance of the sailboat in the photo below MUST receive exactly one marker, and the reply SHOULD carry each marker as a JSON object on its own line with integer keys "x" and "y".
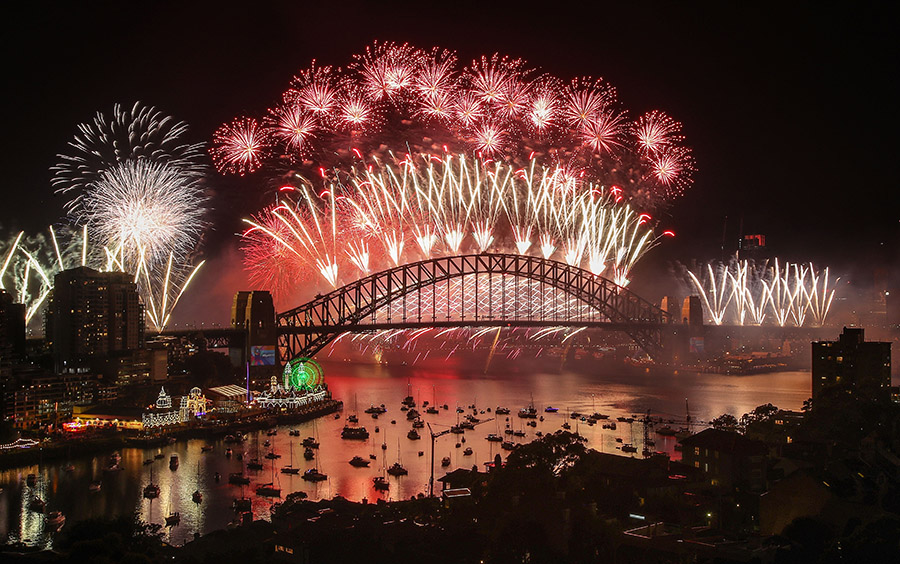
{"x": 242, "y": 503}
{"x": 269, "y": 490}
{"x": 151, "y": 490}
{"x": 197, "y": 496}
{"x": 289, "y": 469}
{"x": 254, "y": 463}
{"x": 397, "y": 469}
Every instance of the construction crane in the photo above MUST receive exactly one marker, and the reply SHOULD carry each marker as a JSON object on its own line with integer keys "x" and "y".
{"x": 433, "y": 437}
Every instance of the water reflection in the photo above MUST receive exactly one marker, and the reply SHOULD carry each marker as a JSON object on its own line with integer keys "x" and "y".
{"x": 361, "y": 386}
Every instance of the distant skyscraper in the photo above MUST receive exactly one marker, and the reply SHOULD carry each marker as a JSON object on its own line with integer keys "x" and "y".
{"x": 255, "y": 312}
{"x": 93, "y": 314}
{"x": 12, "y": 329}
{"x": 851, "y": 367}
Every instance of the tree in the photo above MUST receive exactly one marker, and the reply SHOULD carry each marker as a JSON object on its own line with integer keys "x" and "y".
{"x": 725, "y": 422}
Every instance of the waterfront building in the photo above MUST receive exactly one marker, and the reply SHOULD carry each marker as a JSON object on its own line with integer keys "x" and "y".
{"x": 38, "y": 396}
{"x": 851, "y": 367}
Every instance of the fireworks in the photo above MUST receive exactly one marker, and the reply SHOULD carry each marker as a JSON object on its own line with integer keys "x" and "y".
{"x": 139, "y": 133}
{"x": 136, "y": 192}
{"x": 497, "y": 107}
{"x": 420, "y": 206}
{"x": 145, "y": 212}
{"x": 29, "y": 267}
{"x": 744, "y": 293}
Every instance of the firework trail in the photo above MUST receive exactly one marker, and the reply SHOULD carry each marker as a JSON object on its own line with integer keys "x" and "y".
{"x": 742, "y": 292}
{"x": 139, "y": 133}
{"x": 496, "y": 107}
{"x": 384, "y": 214}
{"x": 30, "y": 266}
{"x": 135, "y": 188}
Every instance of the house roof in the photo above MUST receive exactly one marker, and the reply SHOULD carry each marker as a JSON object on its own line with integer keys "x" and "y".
{"x": 725, "y": 441}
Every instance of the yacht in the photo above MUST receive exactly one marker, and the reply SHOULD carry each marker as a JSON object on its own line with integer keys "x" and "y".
{"x": 380, "y": 483}
{"x": 173, "y": 462}
{"x": 359, "y": 462}
{"x": 354, "y": 433}
{"x": 413, "y": 435}
{"x": 310, "y": 442}
{"x": 313, "y": 475}
{"x": 397, "y": 469}
{"x": 172, "y": 519}
{"x": 56, "y": 520}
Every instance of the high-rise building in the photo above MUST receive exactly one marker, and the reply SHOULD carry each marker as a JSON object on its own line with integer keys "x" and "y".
{"x": 255, "y": 313}
{"x": 12, "y": 329}
{"x": 93, "y": 314}
{"x": 851, "y": 367}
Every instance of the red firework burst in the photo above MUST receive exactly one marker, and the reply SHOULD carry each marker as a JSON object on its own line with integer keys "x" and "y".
{"x": 655, "y": 132}
{"x": 238, "y": 147}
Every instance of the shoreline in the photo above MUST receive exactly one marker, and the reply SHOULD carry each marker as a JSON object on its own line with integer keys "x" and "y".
{"x": 83, "y": 447}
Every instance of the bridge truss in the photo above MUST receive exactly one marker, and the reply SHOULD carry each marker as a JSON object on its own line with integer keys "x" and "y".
{"x": 471, "y": 290}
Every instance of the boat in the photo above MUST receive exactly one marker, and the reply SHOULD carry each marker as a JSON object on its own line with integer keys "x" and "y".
{"x": 308, "y": 454}
{"x": 359, "y": 462}
{"x": 412, "y": 414}
{"x": 294, "y": 432}
{"x": 457, "y": 430}
{"x": 197, "y": 497}
{"x": 502, "y": 410}
{"x": 418, "y": 424}
{"x": 267, "y": 444}
{"x": 272, "y": 455}
{"x": 413, "y": 435}
{"x": 313, "y": 475}
{"x": 94, "y": 487}
{"x": 337, "y": 415}
{"x": 270, "y": 489}
{"x": 151, "y": 490}
{"x": 508, "y": 445}
{"x": 397, "y": 469}
{"x": 445, "y": 461}
{"x": 218, "y": 477}
{"x": 528, "y": 412}
{"x": 666, "y": 431}
{"x": 254, "y": 463}
{"x": 619, "y": 440}
{"x": 354, "y": 433}
{"x": 289, "y": 469}
{"x": 549, "y": 409}
{"x": 113, "y": 468}
{"x": 206, "y": 448}
{"x": 421, "y": 453}
{"x": 466, "y": 425}
{"x": 380, "y": 483}
{"x": 238, "y": 478}
{"x": 37, "y": 505}
{"x": 172, "y": 519}
{"x": 468, "y": 451}
{"x": 629, "y": 448}
{"x": 353, "y": 419}
{"x": 273, "y": 432}
{"x": 228, "y": 453}
{"x": 432, "y": 410}
{"x": 56, "y": 520}
{"x": 148, "y": 462}
{"x": 310, "y": 442}
{"x": 532, "y": 423}
{"x": 241, "y": 504}
{"x": 596, "y": 416}
{"x": 173, "y": 462}
{"x": 494, "y": 438}
{"x": 68, "y": 468}
{"x": 621, "y": 419}
{"x": 159, "y": 456}
{"x": 566, "y": 425}
{"x": 31, "y": 480}
{"x": 518, "y": 433}
{"x": 377, "y": 409}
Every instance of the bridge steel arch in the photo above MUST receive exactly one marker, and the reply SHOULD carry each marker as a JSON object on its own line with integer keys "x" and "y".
{"x": 305, "y": 330}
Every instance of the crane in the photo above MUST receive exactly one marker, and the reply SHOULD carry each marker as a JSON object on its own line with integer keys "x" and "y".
{"x": 433, "y": 437}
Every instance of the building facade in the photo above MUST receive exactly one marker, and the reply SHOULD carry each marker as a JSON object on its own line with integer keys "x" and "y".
{"x": 93, "y": 314}
{"x": 851, "y": 367}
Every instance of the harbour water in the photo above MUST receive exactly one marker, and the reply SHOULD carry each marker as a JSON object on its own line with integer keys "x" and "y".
{"x": 614, "y": 392}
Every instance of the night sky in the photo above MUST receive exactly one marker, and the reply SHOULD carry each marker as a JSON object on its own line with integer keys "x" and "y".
{"x": 791, "y": 111}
